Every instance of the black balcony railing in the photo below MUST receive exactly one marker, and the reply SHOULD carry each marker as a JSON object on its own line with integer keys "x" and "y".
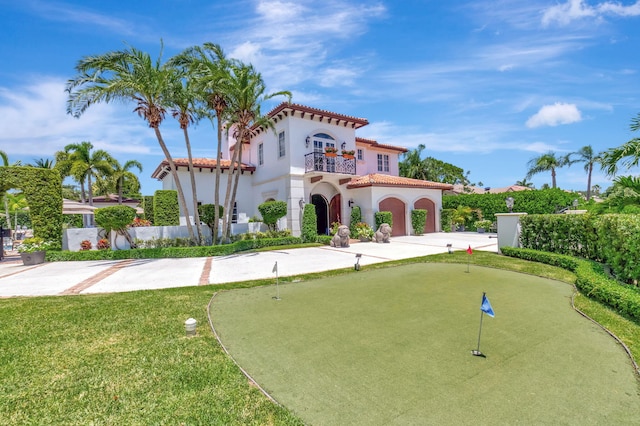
{"x": 320, "y": 162}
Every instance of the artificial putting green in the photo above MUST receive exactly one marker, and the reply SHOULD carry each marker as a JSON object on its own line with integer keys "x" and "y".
{"x": 393, "y": 346}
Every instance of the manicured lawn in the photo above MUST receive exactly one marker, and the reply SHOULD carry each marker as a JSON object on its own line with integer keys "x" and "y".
{"x": 123, "y": 358}
{"x": 392, "y": 346}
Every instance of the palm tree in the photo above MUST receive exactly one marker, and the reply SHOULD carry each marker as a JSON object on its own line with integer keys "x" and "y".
{"x": 42, "y": 163}
{"x": 85, "y": 165}
{"x": 208, "y": 67}
{"x": 184, "y": 109}
{"x": 412, "y": 165}
{"x": 586, "y": 156}
{"x": 121, "y": 173}
{"x": 545, "y": 163}
{"x": 630, "y": 182}
{"x": 128, "y": 75}
{"x": 244, "y": 90}
{"x": 628, "y": 153}
{"x": 525, "y": 183}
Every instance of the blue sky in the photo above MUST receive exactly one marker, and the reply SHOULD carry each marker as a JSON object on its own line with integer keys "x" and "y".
{"x": 484, "y": 85}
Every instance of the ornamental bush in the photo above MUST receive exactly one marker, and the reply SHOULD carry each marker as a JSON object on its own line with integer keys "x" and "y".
{"x": 208, "y": 214}
{"x": 383, "y": 217}
{"x": 272, "y": 211}
{"x": 166, "y": 211}
{"x": 356, "y": 217}
{"x": 309, "y": 223}
{"x": 418, "y": 221}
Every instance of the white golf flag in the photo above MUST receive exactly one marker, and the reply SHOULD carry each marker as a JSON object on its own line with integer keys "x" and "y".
{"x": 275, "y": 267}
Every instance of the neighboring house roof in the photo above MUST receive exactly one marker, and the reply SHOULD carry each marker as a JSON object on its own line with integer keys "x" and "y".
{"x": 286, "y": 109}
{"x": 376, "y": 179}
{"x": 198, "y": 163}
{"x": 375, "y": 144}
{"x": 113, "y": 198}
{"x": 462, "y": 189}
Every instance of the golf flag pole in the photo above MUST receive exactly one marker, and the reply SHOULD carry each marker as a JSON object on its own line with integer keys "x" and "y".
{"x": 485, "y": 307}
{"x": 469, "y": 258}
{"x": 275, "y": 269}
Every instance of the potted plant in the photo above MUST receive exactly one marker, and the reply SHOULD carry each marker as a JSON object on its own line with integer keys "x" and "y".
{"x": 461, "y": 215}
{"x": 254, "y": 224}
{"x": 330, "y": 151}
{"x": 348, "y": 154}
{"x": 482, "y": 225}
{"x": 33, "y": 250}
{"x": 363, "y": 231}
{"x": 86, "y": 245}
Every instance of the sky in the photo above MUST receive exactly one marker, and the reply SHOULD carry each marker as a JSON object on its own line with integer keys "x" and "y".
{"x": 484, "y": 85}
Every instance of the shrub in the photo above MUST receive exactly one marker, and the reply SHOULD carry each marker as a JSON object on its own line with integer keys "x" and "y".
{"x": 166, "y": 211}
{"x": 147, "y": 206}
{"x": 383, "y": 217}
{"x": 363, "y": 230}
{"x": 208, "y": 214}
{"x": 86, "y": 245}
{"x": 309, "y": 223}
{"x": 418, "y": 221}
{"x": 334, "y": 228}
{"x": 103, "y": 244}
{"x": 356, "y": 217}
{"x": 446, "y": 219}
{"x": 484, "y": 224}
{"x": 139, "y": 222}
{"x": 272, "y": 211}
{"x": 591, "y": 280}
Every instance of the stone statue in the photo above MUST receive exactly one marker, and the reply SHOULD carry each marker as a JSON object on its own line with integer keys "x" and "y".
{"x": 341, "y": 239}
{"x": 382, "y": 234}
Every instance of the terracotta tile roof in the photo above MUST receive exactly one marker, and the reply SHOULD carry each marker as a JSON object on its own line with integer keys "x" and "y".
{"x": 461, "y": 189}
{"x": 376, "y": 179}
{"x": 199, "y": 163}
{"x": 285, "y": 108}
{"x": 375, "y": 144}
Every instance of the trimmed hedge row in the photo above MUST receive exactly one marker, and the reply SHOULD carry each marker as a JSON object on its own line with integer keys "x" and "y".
{"x": 591, "y": 280}
{"x": 613, "y": 239}
{"x": 171, "y": 252}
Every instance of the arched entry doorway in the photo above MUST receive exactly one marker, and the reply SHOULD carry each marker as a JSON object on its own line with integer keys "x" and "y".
{"x": 334, "y": 209}
{"x": 322, "y": 213}
{"x": 430, "y": 207}
{"x": 397, "y": 209}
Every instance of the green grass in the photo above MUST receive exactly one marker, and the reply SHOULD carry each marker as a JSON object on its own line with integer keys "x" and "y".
{"x": 392, "y": 346}
{"x": 123, "y": 358}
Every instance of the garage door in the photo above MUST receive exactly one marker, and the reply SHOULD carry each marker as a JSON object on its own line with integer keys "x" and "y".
{"x": 397, "y": 209}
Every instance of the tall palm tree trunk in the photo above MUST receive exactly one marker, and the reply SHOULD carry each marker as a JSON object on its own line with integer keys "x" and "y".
{"x": 174, "y": 173}
{"x": 228, "y": 207}
{"x": 194, "y": 194}
{"x": 234, "y": 190}
{"x": 553, "y": 177}
{"x": 6, "y": 210}
{"x": 214, "y": 231}
{"x": 589, "y": 181}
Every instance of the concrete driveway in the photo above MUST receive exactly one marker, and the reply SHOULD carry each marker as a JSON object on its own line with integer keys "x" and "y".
{"x": 66, "y": 278}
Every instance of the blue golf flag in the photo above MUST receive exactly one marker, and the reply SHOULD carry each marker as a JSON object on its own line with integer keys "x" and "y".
{"x": 486, "y": 306}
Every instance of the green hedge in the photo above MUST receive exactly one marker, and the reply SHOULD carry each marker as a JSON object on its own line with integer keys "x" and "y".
{"x": 570, "y": 234}
{"x": 356, "y": 217}
{"x": 309, "y": 223}
{"x": 591, "y": 280}
{"x": 543, "y": 201}
{"x": 383, "y": 217}
{"x": 619, "y": 243}
{"x": 418, "y": 221}
{"x": 272, "y": 211}
{"x": 166, "y": 211}
{"x": 171, "y": 252}
{"x": 147, "y": 206}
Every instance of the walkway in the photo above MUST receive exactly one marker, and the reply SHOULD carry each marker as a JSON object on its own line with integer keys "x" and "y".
{"x": 67, "y": 278}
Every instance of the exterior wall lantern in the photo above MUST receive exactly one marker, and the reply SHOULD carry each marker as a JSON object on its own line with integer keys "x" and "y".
{"x": 351, "y": 203}
{"x": 307, "y": 142}
{"x": 343, "y": 146}
{"x": 509, "y": 202}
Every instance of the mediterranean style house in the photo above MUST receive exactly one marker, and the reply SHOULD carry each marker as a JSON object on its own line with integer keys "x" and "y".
{"x": 294, "y": 164}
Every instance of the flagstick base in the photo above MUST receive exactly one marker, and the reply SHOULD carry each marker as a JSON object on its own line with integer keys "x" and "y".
{"x": 478, "y": 353}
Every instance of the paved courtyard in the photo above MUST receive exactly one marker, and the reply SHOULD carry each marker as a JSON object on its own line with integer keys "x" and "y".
{"x": 63, "y": 278}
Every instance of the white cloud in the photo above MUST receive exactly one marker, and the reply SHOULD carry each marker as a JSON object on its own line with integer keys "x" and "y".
{"x": 35, "y": 122}
{"x": 553, "y": 115}
{"x": 572, "y": 10}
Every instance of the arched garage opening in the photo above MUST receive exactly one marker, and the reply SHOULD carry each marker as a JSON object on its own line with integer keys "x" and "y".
{"x": 398, "y": 212}
{"x": 430, "y": 207}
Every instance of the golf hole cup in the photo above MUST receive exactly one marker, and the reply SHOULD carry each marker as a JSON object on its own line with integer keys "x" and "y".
{"x": 190, "y": 326}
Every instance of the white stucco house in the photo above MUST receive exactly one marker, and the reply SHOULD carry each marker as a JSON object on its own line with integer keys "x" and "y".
{"x": 291, "y": 165}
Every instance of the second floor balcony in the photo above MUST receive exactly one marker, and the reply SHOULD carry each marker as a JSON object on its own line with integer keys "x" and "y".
{"x": 321, "y": 162}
